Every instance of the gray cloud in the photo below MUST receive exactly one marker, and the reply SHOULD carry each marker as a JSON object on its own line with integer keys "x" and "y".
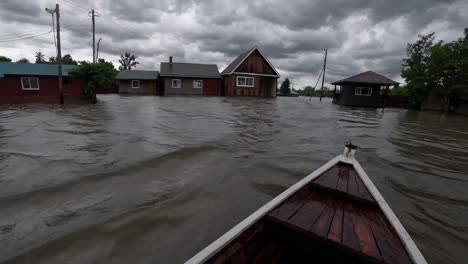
{"x": 360, "y": 35}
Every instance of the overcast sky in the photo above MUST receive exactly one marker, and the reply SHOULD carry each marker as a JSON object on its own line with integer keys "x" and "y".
{"x": 359, "y": 34}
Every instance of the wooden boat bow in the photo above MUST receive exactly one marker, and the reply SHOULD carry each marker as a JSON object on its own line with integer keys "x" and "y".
{"x": 335, "y": 214}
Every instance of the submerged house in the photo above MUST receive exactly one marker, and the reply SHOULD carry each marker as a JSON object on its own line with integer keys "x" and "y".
{"x": 250, "y": 74}
{"x": 138, "y": 82}
{"x": 362, "y": 90}
{"x": 189, "y": 79}
{"x": 28, "y": 82}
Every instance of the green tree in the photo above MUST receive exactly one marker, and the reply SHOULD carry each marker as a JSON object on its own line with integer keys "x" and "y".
{"x": 40, "y": 57}
{"x": 285, "y": 87}
{"x": 94, "y": 76}
{"x": 127, "y": 61}
{"x": 4, "y": 59}
{"x": 66, "y": 59}
{"x": 23, "y": 60}
{"x": 307, "y": 91}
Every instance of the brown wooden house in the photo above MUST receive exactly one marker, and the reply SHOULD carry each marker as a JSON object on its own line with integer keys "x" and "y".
{"x": 138, "y": 82}
{"x": 250, "y": 74}
{"x": 363, "y": 90}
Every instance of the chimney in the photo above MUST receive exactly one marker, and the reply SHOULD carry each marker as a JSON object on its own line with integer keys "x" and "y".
{"x": 170, "y": 59}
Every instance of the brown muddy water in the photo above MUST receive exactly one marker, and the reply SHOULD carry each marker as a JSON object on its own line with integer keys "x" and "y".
{"x": 154, "y": 180}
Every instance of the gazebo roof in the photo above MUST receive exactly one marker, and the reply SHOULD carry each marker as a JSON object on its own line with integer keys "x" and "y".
{"x": 368, "y": 77}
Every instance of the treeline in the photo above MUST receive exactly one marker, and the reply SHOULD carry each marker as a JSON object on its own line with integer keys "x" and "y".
{"x": 310, "y": 91}
{"x": 435, "y": 69}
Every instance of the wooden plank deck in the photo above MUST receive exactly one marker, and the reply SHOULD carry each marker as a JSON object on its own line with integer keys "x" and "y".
{"x": 333, "y": 219}
{"x": 338, "y": 207}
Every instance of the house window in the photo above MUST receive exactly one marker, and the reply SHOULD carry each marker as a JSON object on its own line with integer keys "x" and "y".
{"x": 30, "y": 83}
{"x": 363, "y": 91}
{"x": 197, "y": 84}
{"x": 175, "y": 83}
{"x": 135, "y": 84}
{"x": 245, "y": 81}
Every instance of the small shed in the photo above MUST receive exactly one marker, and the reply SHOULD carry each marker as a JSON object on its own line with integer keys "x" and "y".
{"x": 36, "y": 82}
{"x": 363, "y": 90}
{"x": 138, "y": 82}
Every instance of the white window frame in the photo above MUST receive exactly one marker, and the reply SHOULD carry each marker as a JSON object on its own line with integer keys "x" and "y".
{"x": 136, "y": 87}
{"x": 195, "y": 82}
{"x": 29, "y": 83}
{"x": 246, "y": 78}
{"x": 176, "y": 86}
{"x": 358, "y": 91}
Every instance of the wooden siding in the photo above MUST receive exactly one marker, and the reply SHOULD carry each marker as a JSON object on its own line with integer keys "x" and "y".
{"x": 146, "y": 87}
{"x": 255, "y": 63}
{"x": 209, "y": 86}
{"x": 263, "y": 86}
{"x": 347, "y": 96}
{"x": 11, "y": 90}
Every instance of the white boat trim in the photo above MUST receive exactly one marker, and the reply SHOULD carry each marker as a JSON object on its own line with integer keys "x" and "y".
{"x": 405, "y": 238}
{"x": 225, "y": 239}
{"x": 346, "y": 157}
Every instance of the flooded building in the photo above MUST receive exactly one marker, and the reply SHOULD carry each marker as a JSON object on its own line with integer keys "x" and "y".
{"x": 178, "y": 78}
{"x": 363, "y": 90}
{"x": 28, "y": 83}
{"x": 250, "y": 74}
{"x": 138, "y": 82}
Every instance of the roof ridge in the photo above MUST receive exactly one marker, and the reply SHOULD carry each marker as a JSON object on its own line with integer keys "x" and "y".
{"x": 165, "y": 62}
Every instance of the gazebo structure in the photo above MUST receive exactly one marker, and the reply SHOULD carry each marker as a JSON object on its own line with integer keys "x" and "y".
{"x": 363, "y": 90}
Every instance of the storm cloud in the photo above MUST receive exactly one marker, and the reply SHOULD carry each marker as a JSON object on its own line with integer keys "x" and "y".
{"x": 359, "y": 35}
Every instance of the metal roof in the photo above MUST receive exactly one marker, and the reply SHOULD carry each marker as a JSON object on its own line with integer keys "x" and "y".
{"x": 368, "y": 77}
{"x": 137, "y": 75}
{"x": 177, "y": 69}
{"x": 238, "y": 61}
{"x": 33, "y": 69}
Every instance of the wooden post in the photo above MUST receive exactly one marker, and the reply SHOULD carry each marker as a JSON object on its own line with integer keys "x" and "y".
{"x": 324, "y": 68}
{"x": 59, "y": 56}
{"x": 94, "y": 37}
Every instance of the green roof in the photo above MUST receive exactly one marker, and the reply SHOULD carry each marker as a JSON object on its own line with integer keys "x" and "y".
{"x": 33, "y": 69}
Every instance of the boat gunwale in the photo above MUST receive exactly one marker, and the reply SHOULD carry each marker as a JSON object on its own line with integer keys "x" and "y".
{"x": 411, "y": 248}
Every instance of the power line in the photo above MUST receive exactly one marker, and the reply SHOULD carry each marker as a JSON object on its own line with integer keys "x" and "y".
{"x": 74, "y": 5}
{"x": 24, "y": 38}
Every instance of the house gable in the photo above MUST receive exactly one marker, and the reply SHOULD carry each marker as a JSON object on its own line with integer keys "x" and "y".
{"x": 252, "y": 62}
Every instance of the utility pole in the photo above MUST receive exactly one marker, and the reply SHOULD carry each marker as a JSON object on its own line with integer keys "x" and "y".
{"x": 59, "y": 55}
{"x": 94, "y": 37}
{"x": 324, "y": 68}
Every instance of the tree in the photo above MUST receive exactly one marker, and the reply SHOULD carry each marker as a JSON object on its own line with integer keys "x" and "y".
{"x": 127, "y": 61}
{"x": 285, "y": 88}
{"x": 439, "y": 69}
{"x": 307, "y": 91}
{"x": 5, "y": 59}
{"x": 23, "y": 60}
{"x": 94, "y": 76}
{"x": 40, "y": 57}
{"x": 66, "y": 59}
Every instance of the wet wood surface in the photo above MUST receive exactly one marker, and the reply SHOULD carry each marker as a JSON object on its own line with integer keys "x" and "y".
{"x": 332, "y": 220}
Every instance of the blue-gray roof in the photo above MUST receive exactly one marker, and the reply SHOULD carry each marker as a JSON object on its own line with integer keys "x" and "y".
{"x": 33, "y": 69}
{"x": 191, "y": 70}
{"x": 137, "y": 75}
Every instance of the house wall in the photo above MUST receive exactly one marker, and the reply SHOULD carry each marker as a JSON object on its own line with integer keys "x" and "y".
{"x": 255, "y": 63}
{"x": 348, "y": 97}
{"x": 146, "y": 87}
{"x": 263, "y": 86}
{"x": 11, "y": 90}
{"x": 209, "y": 86}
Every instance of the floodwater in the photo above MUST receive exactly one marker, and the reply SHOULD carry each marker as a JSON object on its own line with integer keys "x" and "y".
{"x": 143, "y": 179}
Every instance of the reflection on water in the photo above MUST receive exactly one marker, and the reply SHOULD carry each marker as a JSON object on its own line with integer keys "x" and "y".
{"x": 150, "y": 179}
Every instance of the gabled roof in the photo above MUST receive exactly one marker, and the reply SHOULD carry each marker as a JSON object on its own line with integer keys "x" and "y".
{"x": 241, "y": 58}
{"x": 368, "y": 77}
{"x": 177, "y": 69}
{"x": 33, "y": 69}
{"x": 137, "y": 75}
